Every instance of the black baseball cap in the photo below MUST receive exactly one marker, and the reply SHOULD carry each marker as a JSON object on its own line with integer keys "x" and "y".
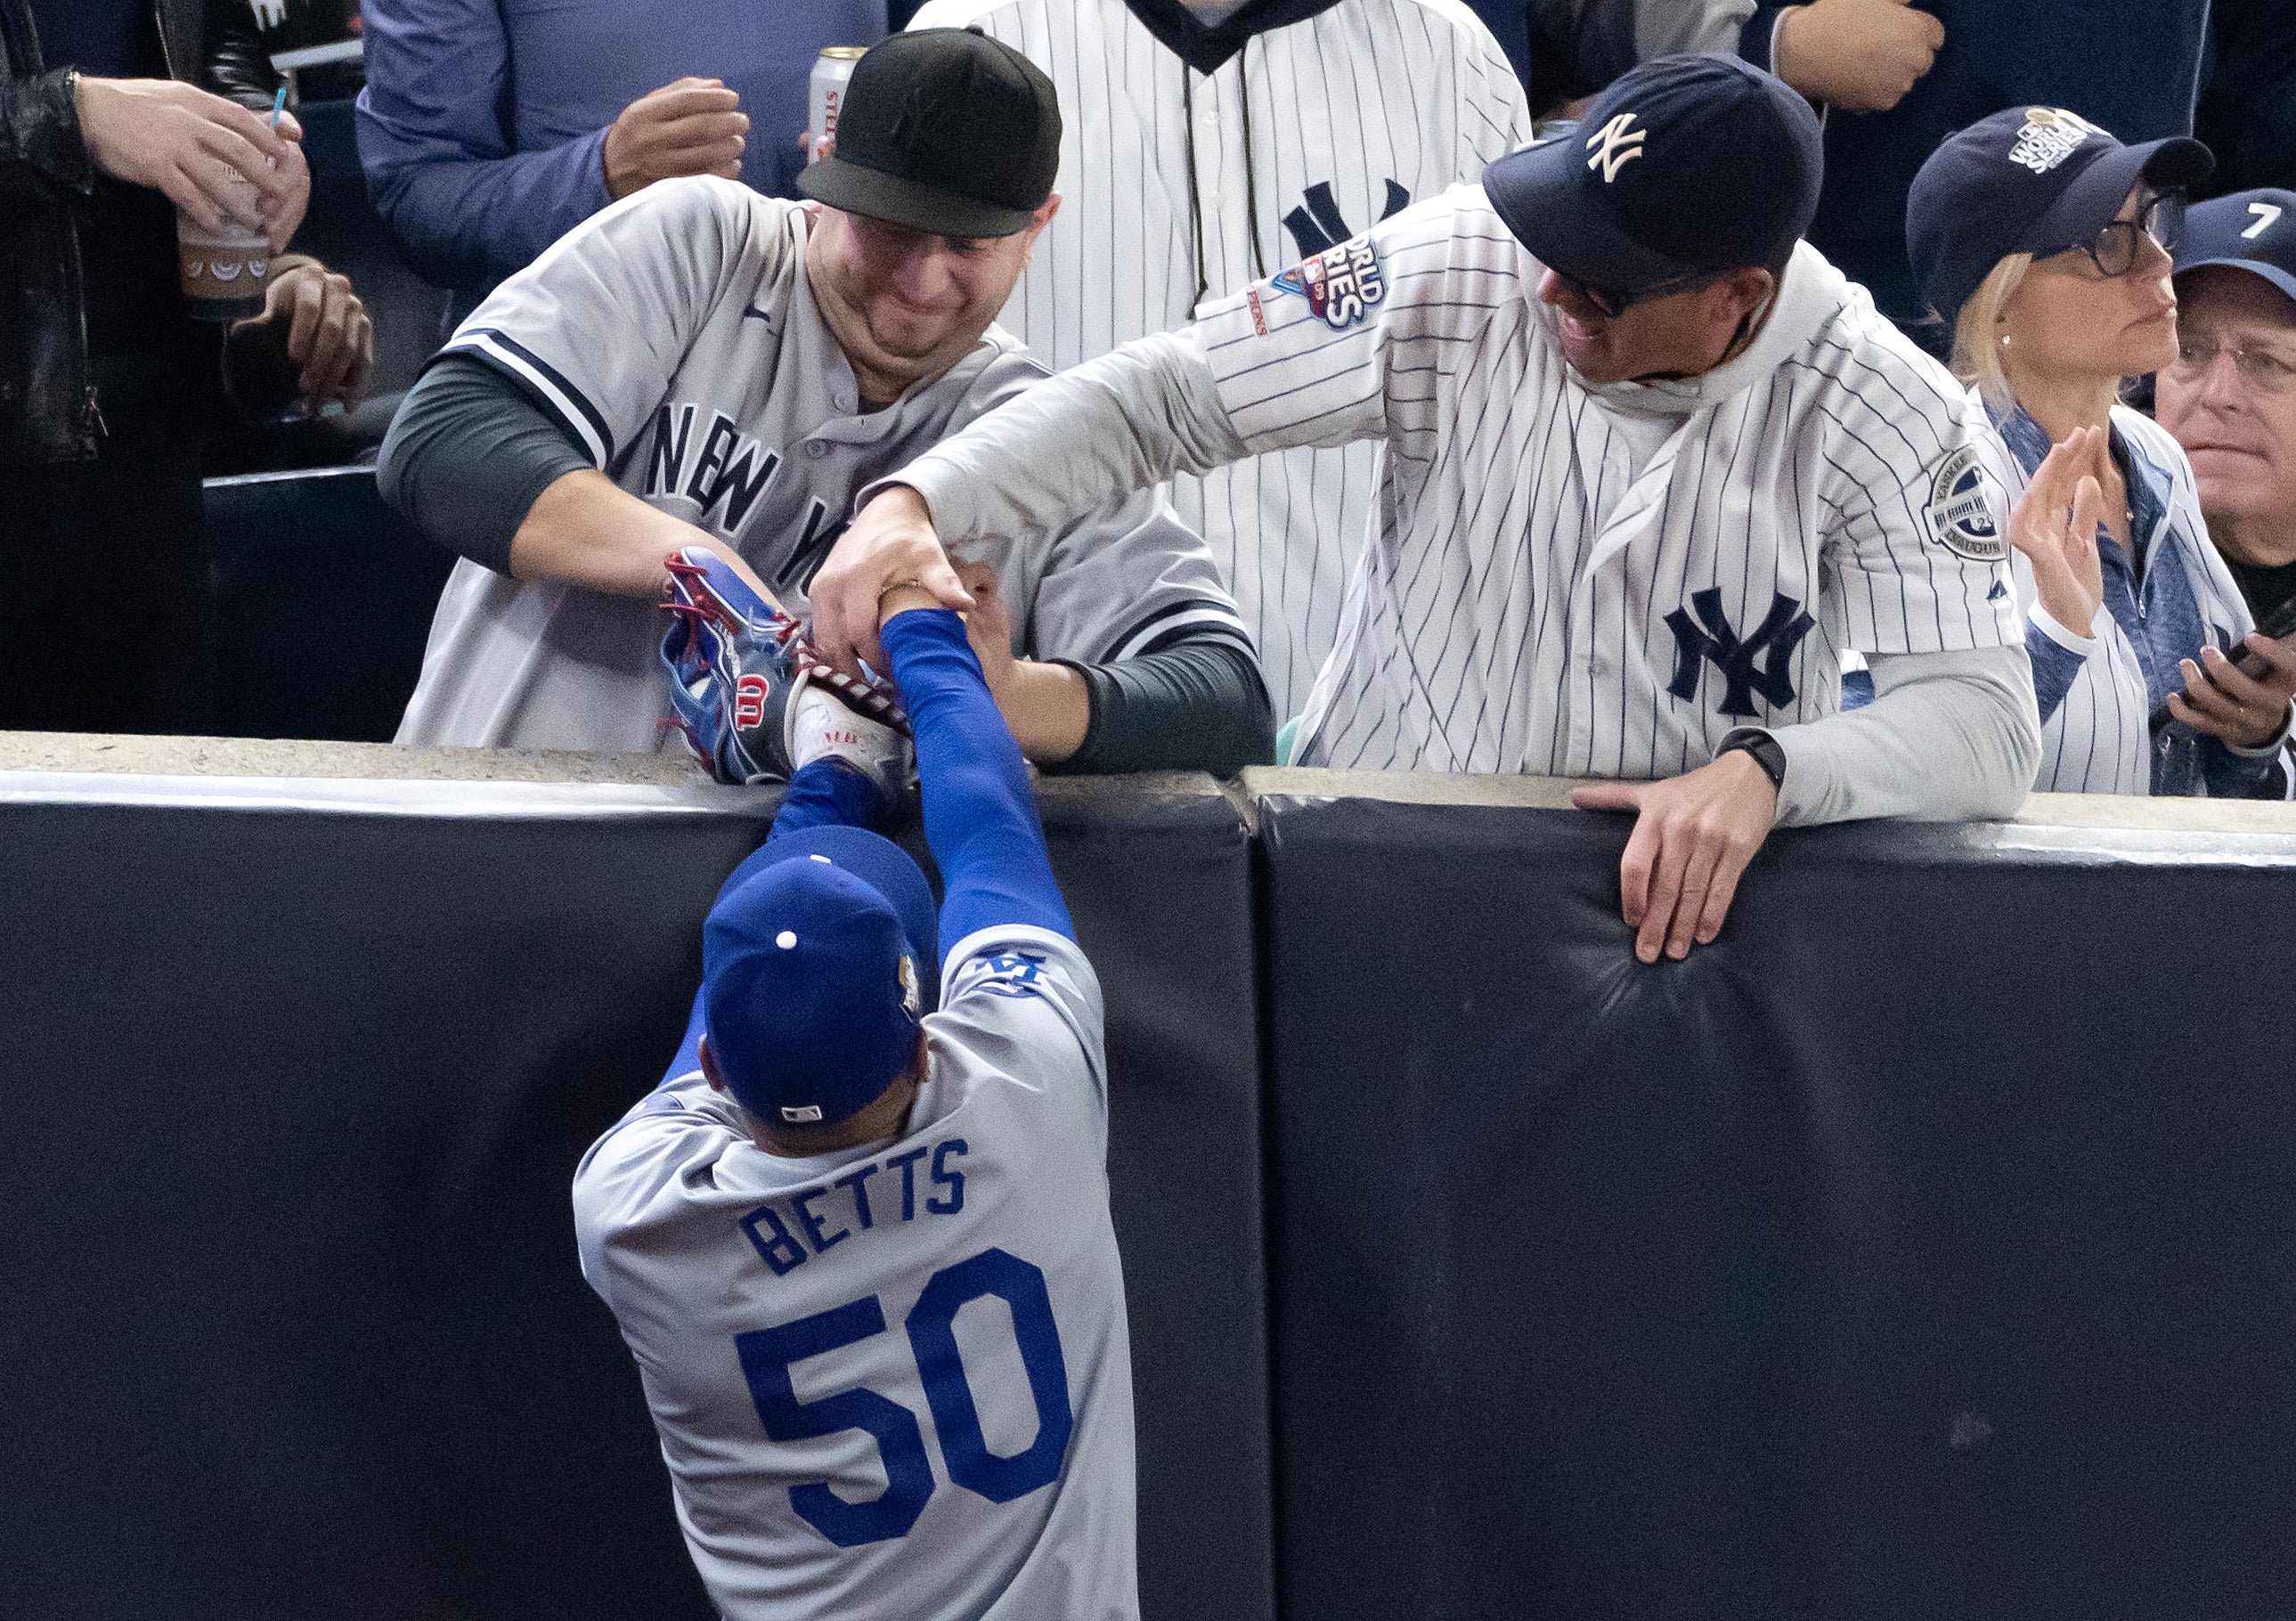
{"x": 2035, "y": 180}
{"x": 1686, "y": 167}
{"x": 945, "y": 131}
{"x": 2251, "y": 230}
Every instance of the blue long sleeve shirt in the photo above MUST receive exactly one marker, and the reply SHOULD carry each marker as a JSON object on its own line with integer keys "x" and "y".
{"x": 482, "y": 128}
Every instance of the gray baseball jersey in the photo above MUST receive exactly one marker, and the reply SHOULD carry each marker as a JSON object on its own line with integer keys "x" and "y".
{"x": 675, "y": 337}
{"x": 894, "y": 1380}
{"x": 1195, "y": 160}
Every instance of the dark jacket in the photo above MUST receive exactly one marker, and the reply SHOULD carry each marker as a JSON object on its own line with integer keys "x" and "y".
{"x": 47, "y": 397}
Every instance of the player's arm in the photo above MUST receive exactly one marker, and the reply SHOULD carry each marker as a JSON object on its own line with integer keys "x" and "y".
{"x": 980, "y": 815}
{"x": 477, "y": 465}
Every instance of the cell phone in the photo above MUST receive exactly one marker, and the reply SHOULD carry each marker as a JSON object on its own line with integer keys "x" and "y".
{"x": 2280, "y": 624}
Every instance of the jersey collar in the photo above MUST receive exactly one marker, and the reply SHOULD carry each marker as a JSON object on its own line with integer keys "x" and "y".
{"x": 1181, "y": 32}
{"x": 1811, "y": 291}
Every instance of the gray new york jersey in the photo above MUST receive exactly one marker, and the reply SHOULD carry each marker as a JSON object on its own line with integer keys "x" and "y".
{"x": 675, "y": 337}
{"x": 894, "y": 1381}
{"x": 1580, "y": 581}
{"x": 1176, "y": 182}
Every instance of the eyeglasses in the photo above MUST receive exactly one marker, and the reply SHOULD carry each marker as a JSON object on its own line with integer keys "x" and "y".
{"x": 2260, "y": 368}
{"x": 2115, "y": 250}
{"x": 1614, "y": 304}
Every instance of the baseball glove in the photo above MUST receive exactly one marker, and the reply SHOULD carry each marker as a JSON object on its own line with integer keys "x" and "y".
{"x": 737, "y": 668}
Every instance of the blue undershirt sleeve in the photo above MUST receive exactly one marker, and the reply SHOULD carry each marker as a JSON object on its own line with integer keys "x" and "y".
{"x": 979, "y": 812}
{"x": 2056, "y": 668}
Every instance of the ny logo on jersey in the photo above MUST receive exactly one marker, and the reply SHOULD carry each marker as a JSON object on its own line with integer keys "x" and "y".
{"x": 1318, "y": 227}
{"x": 1710, "y": 636}
{"x": 730, "y": 470}
{"x": 1614, "y": 146}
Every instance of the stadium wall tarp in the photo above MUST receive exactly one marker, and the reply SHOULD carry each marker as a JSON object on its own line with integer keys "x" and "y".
{"x": 1924, "y": 1248}
{"x": 294, "y": 1080}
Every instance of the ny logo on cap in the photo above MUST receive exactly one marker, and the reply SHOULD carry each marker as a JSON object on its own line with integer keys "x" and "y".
{"x": 1614, "y": 146}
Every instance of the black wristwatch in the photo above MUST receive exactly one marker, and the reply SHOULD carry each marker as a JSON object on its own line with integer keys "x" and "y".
{"x": 1768, "y": 753}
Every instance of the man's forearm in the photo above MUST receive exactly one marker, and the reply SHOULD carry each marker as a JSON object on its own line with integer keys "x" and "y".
{"x": 980, "y": 817}
{"x": 1948, "y": 736}
{"x": 1196, "y": 706}
{"x": 467, "y": 457}
{"x": 1128, "y": 420}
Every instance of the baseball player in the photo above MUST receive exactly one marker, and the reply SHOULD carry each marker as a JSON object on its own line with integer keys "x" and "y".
{"x": 1205, "y": 146}
{"x": 862, "y": 1252}
{"x": 1651, "y": 465}
{"x": 701, "y": 365}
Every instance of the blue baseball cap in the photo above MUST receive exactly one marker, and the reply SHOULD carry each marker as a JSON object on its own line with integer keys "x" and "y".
{"x": 819, "y": 962}
{"x": 1686, "y": 167}
{"x": 2035, "y": 180}
{"x": 2251, "y": 230}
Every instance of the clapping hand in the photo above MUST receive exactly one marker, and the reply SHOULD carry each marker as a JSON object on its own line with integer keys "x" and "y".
{"x": 2055, "y": 529}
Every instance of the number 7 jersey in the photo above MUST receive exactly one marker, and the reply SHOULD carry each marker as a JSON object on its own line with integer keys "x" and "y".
{"x": 894, "y": 1380}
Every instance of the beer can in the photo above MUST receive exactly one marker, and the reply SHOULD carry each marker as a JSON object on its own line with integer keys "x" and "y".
{"x": 831, "y": 73}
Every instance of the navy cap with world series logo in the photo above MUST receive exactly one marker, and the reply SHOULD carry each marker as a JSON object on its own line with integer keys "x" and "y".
{"x": 945, "y": 131}
{"x": 2038, "y": 180}
{"x": 2251, "y": 230}
{"x": 1686, "y": 167}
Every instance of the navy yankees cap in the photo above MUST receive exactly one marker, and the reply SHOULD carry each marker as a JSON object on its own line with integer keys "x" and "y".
{"x": 819, "y": 961}
{"x": 944, "y": 131}
{"x": 2035, "y": 180}
{"x": 1686, "y": 167}
{"x": 2253, "y": 231}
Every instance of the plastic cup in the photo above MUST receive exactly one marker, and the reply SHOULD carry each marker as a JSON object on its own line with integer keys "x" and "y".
{"x": 226, "y": 273}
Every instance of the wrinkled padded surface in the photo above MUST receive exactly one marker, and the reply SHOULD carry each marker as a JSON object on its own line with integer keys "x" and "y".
{"x": 1924, "y": 1248}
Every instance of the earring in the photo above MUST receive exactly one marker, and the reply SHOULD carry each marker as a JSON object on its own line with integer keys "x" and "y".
{"x": 2004, "y": 340}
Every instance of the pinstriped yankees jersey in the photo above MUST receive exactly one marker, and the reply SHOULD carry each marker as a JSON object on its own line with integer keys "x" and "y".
{"x": 675, "y": 337}
{"x": 1195, "y": 160}
{"x": 1605, "y": 581}
{"x": 2097, "y": 692}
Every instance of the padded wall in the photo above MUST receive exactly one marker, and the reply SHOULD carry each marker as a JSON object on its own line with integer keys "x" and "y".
{"x": 1924, "y": 1247}
{"x": 295, "y": 1080}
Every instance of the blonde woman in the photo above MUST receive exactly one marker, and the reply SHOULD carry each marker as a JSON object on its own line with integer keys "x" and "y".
{"x": 2041, "y": 239}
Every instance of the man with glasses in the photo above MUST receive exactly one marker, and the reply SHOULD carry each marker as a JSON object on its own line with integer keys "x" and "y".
{"x": 2230, "y": 396}
{"x": 1651, "y": 466}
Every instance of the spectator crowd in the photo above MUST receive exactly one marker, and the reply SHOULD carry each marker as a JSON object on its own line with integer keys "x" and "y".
{"x": 551, "y": 167}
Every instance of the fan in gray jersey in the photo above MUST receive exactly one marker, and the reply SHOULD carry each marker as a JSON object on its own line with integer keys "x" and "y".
{"x": 861, "y": 1250}
{"x": 701, "y": 366}
{"x": 1651, "y": 466}
{"x": 1203, "y": 146}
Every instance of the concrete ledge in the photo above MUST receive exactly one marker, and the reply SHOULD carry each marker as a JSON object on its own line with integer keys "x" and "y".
{"x": 241, "y": 756}
{"x": 2104, "y": 812}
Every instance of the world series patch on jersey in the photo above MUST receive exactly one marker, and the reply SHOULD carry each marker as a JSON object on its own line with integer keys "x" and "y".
{"x": 1194, "y": 162}
{"x": 675, "y": 339}
{"x": 1604, "y": 581}
{"x": 894, "y": 1380}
